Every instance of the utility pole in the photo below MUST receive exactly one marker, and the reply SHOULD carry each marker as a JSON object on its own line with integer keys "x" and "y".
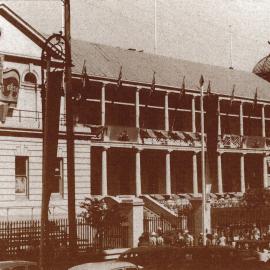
{"x": 203, "y": 162}
{"x": 70, "y": 137}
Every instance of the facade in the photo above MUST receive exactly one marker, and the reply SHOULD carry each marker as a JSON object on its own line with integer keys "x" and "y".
{"x": 140, "y": 138}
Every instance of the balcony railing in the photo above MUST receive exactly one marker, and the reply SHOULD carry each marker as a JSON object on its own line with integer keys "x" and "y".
{"x": 243, "y": 142}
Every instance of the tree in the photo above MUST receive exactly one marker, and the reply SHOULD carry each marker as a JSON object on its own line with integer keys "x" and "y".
{"x": 98, "y": 214}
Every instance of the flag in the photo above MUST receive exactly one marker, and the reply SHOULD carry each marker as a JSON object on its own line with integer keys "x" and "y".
{"x": 232, "y": 96}
{"x": 118, "y": 85}
{"x": 201, "y": 81}
{"x": 119, "y": 80}
{"x": 255, "y": 101}
{"x": 152, "y": 89}
{"x": 153, "y": 85}
{"x": 84, "y": 75}
{"x": 181, "y": 95}
{"x": 208, "y": 92}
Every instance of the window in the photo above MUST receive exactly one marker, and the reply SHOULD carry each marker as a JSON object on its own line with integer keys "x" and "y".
{"x": 30, "y": 78}
{"x": 21, "y": 175}
{"x": 57, "y": 185}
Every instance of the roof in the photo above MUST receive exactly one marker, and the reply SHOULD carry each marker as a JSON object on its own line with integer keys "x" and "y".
{"x": 105, "y": 61}
{"x": 138, "y": 67}
{"x": 263, "y": 66}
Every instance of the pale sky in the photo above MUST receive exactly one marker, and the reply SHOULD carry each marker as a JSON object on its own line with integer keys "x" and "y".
{"x": 196, "y": 30}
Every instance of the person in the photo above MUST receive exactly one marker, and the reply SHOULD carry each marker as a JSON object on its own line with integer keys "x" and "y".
{"x": 267, "y": 237}
{"x": 153, "y": 239}
{"x": 159, "y": 240}
{"x": 208, "y": 239}
{"x": 180, "y": 239}
{"x": 222, "y": 240}
{"x": 189, "y": 240}
{"x": 143, "y": 240}
{"x": 200, "y": 239}
{"x": 215, "y": 238}
{"x": 255, "y": 233}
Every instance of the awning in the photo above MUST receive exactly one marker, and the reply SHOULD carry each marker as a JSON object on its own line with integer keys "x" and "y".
{"x": 177, "y": 135}
{"x": 147, "y": 133}
{"x": 161, "y": 134}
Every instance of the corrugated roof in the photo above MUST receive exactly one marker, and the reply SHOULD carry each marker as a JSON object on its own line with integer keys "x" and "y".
{"x": 105, "y": 61}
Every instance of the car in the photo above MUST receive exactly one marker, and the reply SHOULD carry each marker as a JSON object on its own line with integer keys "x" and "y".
{"x": 192, "y": 258}
{"x": 107, "y": 265}
{"x": 18, "y": 265}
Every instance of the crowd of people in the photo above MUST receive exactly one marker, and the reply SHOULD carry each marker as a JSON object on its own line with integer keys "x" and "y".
{"x": 218, "y": 237}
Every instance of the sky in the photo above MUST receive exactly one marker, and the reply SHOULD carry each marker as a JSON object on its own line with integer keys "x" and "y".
{"x": 216, "y": 32}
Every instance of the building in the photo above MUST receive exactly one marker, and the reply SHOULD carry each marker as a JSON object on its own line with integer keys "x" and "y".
{"x": 140, "y": 138}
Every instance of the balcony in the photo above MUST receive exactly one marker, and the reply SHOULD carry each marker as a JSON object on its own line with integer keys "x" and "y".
{"x": 32, "y": 120}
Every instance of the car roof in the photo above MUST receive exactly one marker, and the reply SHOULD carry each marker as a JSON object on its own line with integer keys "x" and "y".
{"x": 108, "y": 265}
{"x": 15, "y": 263}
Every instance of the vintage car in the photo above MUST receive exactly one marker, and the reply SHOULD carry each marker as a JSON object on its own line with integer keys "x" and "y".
{"x": 107, "y": 265}
{"x": 18, "y": 265}
{"x": 192, "y": 258}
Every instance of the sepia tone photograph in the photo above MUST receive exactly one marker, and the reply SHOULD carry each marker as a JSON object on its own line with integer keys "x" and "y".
{"x": 134, "y": 134}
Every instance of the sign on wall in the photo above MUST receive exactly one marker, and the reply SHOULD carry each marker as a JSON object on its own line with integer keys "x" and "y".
{"x": 9, "y": 84}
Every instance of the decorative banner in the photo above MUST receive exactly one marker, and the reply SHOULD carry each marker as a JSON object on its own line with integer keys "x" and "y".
{"x": 116, "y": 133}
{"x": 254, "y": 142}
{"x": 9, "y": 85}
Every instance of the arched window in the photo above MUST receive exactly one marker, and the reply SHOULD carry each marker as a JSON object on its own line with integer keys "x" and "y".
{"x": 30, "y": 78}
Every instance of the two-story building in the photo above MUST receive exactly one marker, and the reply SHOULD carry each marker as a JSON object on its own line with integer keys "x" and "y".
{"x": 141, "y": 138}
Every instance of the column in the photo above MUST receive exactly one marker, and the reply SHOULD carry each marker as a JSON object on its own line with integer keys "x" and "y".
{"x": 263, "y": 121}
{"x": 137, "y": 107}
{"x": 241, "y": 120}
{"x": 138, "y": 173}
{"x": 195, "y": 173}
{"x": 168, "y": 173}
{"x": 104, "y": 180}
{"x": 219, "y": 172}
{"x": 219, "y": 118}
{"x": 193, "y": 114}
{"x": 242, "y": 173}
{"x": 103, "y": 104}
{"x": 166, "y": 108}
{"x": 265, "y": 172}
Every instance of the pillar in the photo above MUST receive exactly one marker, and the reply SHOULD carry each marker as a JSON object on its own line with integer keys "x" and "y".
{"x": 137, "y": 108}
{"x": 104, "y": 180}
{"x": 242, "y": 173}
{"x": 265, "y": 171}
{"x": 166, "y": 113}
{"x": 133, "y": 210}
{"x": 193, "y": 114}
{"x": 219, "y": 172}
{"x": 241, "y": 122}
{"x": 168, "y": 173}
{"x": 195, "y": 173}
{"x": 263, "y": 121}
{"x": 138, "y": 180}
{"x": 103, "y": 104}
{"x": 219, "y": 118}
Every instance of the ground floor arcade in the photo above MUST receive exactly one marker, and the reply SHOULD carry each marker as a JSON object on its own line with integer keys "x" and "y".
{"x": 126, "y": 171}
